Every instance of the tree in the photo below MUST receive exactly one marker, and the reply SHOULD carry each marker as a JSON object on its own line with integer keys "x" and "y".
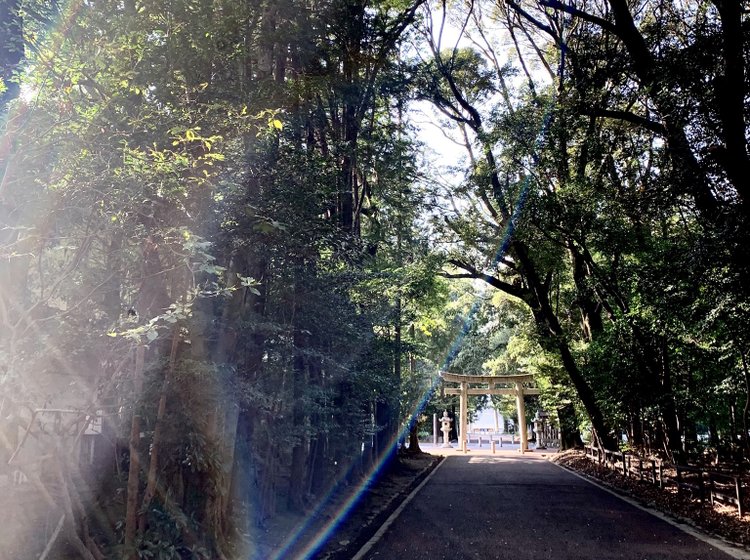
{"x": 211, "y": 201}
{"x": 458, "y": 81}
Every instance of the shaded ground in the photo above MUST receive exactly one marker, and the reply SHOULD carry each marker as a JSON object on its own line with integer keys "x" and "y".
{"x": 521, "y": 507}
{"x": 377, "y": 503}
{"x": 719, "y": 520}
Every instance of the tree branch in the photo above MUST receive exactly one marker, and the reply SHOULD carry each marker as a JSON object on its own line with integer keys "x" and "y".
{"x": 472, "y": 272}
{"x": 627, "y": 116}
{"x": 572, "y": 10}
{"x": 526, "y": 15}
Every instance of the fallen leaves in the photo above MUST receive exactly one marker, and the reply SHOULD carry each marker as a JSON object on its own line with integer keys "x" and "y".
{"x": 718, "y": 519}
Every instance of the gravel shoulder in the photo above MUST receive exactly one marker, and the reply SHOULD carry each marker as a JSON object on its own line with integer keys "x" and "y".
{"x": 378, "y": 500}
{"x": 377, "y": 504}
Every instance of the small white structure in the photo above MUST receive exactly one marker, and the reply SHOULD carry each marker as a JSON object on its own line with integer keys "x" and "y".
{"x": 488, "y": 420}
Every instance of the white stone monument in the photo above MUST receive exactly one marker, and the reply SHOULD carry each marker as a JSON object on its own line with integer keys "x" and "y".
{"x": 446, "y": 429}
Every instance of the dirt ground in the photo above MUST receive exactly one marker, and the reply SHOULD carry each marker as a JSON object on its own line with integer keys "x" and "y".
{"x": 719, "y": 520}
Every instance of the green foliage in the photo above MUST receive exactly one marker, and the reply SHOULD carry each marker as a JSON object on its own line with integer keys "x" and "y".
{"x": 235, "y": 187}
{"x": 181, "y": 181}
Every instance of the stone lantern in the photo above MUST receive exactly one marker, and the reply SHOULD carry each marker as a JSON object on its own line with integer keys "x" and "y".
{"x": 446, "y": 429}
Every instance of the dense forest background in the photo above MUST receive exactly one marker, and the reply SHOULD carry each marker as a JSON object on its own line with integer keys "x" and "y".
{"x": 231, "y": 267}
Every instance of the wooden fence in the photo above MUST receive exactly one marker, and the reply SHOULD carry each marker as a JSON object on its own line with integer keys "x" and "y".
{"x": 708, "y": 484}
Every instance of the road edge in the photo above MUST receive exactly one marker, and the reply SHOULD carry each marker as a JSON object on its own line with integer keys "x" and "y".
{"x": 396, "y": 513}
{"x": 727, "y": 547}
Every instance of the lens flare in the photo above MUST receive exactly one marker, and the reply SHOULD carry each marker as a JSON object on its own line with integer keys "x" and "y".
{"x": 13, "y": 123}
{"x": 326, "y": 532}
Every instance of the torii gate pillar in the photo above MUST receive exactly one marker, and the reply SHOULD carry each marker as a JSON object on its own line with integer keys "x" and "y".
{"x": 521, "y": 407}
{"x": 464, "y": 406}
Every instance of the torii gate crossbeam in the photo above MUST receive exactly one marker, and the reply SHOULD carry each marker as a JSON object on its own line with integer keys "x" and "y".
{"x": 495, "y": 385}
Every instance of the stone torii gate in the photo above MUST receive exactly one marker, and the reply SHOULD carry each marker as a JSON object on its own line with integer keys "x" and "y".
{"x": 518, "y": 385}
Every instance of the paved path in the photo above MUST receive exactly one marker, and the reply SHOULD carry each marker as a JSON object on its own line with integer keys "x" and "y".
{"x": 518, "y": 507}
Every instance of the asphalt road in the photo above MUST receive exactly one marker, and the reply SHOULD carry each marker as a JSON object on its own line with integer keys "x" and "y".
{"x": 522, "y": 508}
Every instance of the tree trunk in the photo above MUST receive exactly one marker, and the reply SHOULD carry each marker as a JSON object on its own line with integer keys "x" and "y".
{"x": 267, "y": 483}
{"x": 111, "y": 299}
{"x": 318, "y": 475}
{"x": 228, "y": 445}
{"x": 153, "y": 467}
{"x": 731, "y": 92}
{"x": 636, "y": 429}
{"x": 414, "y": 437}
{"x": 691, "y": 174}
{"x": 570, "y": 436}
{"x": 536, "y": 292}
{"x": 348, "y": 206}
{"x": 590, "y": 309}
{"x": 583, "y": 389}
{"x": 414, "y": 427}
{"x": 398, "y": 354}
{"x": 300, "y": 382}
{"x": 746, "y": 409}
{"x": 668, "y": 406}
{"x": 385, "y": 446}
{"x": 131, "y": 508}
{"x": 11, "y": 50}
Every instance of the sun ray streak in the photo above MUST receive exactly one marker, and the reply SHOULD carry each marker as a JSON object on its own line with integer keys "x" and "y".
{"x": 326, "y": 532}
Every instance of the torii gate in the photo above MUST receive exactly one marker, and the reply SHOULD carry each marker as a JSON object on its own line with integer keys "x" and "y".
{"x": 491, "y": 385}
